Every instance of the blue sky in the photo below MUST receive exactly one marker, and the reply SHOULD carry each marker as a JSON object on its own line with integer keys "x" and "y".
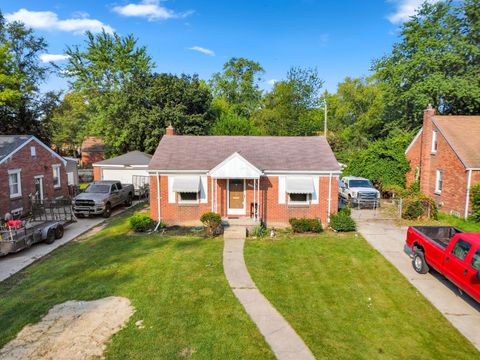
{"x": 340, "y": 38}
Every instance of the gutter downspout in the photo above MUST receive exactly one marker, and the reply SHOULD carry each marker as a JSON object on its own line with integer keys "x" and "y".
{"x": 329, "y": 196}
{"x": 467, "y": 200}
{"x": 158, "y": 203}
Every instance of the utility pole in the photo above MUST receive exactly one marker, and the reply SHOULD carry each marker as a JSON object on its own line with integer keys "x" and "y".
{"x": 325, "y": 119}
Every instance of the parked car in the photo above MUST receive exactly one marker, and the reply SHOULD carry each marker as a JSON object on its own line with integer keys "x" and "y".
{"x": 450, "y": 251}
{"x": 358, "y": 191}
{"x": 100, "y": 197}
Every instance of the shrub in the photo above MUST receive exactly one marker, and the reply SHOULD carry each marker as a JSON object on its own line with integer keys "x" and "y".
{"x": 475, "y": 200}
{"x": 394, "y": 191}
{"x": 212, "y": 222}
{"x": 305, "y": 225}
{"x": 140, "y": 222}
{"x": 419, "y": 206}
{"x": 259, "y": 230}
{"x": 342, "y": 221}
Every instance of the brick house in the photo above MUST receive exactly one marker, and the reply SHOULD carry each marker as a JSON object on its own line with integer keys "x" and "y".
{"x": 92, "y": 151}
{"x": 28, "y": 167}
{"x": 445, "y": 158}
{"x": 260, "y": 177}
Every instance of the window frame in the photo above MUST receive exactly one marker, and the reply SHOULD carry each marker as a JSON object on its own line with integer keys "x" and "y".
{"x": 306, "y": 202}
{"x": 473, "y": 258}
{"x": 438, "y": 181}
{"x": 188, "y": 202}
{"x": 466, "y": 254}
{"x": 18, "y": 173}
{"x": 56, "y": 167}
{"x": 33, "y": 151}
{"x": 434, "y": 141}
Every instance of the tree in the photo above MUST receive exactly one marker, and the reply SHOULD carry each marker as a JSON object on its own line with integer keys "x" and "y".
{"x": 383, "y": 161}
{"x": 238, "y": 85}
{"x": 232, "y": 124}
{"x": 437, "y": 61}
{"x": 355, "y": 116}
{"x": 292, "y": 107}
{"x": 69, "y": 122}
{"x": 26, "y": 112}
{"x": 9, "y": 83}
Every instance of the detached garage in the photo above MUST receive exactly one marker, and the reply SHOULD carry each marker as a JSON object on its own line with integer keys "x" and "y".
{"x": 129, "y": 168}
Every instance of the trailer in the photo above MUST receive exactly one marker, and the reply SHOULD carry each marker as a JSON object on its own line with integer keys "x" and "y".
{"x": 46, "y": 222}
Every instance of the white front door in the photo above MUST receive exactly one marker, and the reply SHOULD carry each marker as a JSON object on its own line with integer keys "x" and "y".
{"x": 38, "y": 187}
{"x": 236, "y": 197}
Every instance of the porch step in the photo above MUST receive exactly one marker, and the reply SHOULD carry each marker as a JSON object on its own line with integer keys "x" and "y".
{"x": 245, "y": 222}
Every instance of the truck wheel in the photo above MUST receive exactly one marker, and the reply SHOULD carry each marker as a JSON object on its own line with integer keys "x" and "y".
{"x": 419, "y": 263}
{"x": 108, "y": 211}
{"x": 59, "y": 230}
{"x": 50, "y": 236}
{"x": 129, "y": 201}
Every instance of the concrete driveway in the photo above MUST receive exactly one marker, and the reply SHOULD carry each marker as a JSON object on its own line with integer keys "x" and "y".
{"x": 389, "y": 239}
{"x": 13, "y": 263}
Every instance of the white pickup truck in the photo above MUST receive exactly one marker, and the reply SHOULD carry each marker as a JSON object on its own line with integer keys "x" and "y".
{"x": 357, "y": 191}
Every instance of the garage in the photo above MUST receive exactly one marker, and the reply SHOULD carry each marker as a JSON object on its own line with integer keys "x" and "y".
{"x": 129, "y": 168}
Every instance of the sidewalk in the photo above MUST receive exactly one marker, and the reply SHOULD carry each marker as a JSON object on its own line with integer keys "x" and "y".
{"x": 282, "y": 338}
{"x": 460, "y": 310}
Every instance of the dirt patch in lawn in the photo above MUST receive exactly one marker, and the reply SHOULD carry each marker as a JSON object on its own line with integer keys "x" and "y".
{"x": 74, "y": 330}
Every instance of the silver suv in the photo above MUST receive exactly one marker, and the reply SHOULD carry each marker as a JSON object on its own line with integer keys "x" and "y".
{"x": 358, "y": 191}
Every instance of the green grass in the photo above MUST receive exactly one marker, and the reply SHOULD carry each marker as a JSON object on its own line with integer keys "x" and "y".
{"x": 459, "y": 222}
{"x": 175, "y": 283}
{"x": 347, "y": 302}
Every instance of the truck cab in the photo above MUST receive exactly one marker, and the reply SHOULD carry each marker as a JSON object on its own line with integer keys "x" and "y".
{"x": 358, "y": 191}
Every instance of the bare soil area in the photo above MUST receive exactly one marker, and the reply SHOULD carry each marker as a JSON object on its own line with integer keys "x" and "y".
{"x": 74, "y": 330}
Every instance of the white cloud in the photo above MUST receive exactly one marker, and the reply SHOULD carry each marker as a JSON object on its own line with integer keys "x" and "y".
{"x": 48, "y": 20}
{"x": 53, "y": 57}
{"x": 271, "y": 82}
{"x": 405, "y": 9}
{"x": 202, "y": 50}
{"x": 150, "y": 9}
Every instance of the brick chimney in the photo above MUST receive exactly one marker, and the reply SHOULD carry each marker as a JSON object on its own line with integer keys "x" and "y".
{"x": 170, "y": 131}
{"x": 428, "y": 158}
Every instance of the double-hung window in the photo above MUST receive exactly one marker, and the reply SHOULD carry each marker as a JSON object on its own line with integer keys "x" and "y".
{"x": 188, "y": 197}
{"x": 439, "y": 181}
{"x": 15, "y": 183}
{"x": 434, "y": 142}
{"x": 298, "y": 199}
{"x": 56, "y": 176}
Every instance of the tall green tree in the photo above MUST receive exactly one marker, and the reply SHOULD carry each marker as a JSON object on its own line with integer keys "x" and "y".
{"x": 437, "y": 61}
{"x": 233, "y": 124}
{"x": 293, "y": 105}
{"x": 27, "y": 111}
{"x": 9, "y": 82}
{"x": 238, "y": 85}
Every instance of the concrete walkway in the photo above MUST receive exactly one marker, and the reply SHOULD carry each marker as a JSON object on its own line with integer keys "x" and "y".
{"x": 460, "y": 310}
{"x": 284, "y": 341}
{"x": 13, "y": 263}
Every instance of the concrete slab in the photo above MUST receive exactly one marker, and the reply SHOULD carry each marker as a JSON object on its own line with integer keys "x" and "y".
{"x": 462, "y": 311}
{"x": 282, "y": 338}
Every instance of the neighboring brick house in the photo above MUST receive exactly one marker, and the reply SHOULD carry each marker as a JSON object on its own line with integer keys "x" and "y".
{"x": 92, "y": 151}
{"x": 28, "y": 168}
{"x": 445, "y": 158}
{"x": 282, "y": 177}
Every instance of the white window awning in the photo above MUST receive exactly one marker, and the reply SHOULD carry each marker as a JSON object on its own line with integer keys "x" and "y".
{"x": 186, "y": 184}
{"x": 297, "y": 185}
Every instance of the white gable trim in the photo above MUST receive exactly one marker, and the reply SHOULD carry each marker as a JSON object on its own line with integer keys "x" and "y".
{"x": 33, "y": 138}
{"x": 235, "y": 167}
{"x": 414, "y": 140}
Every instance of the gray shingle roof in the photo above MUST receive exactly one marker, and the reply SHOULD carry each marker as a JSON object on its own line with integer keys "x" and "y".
{"x": 310, "y": 153}
{"x": 8, "y": 143}
{"x": 130, "y": 158}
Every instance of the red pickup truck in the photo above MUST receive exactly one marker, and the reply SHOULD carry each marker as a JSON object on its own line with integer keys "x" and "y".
{"x": 450, "y": 251}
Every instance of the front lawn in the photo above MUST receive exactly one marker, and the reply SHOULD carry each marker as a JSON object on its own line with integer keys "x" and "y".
{"x": 176, "y": 285}
{"x": 347, "y": 302}
{"x": 444, "y": 219}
